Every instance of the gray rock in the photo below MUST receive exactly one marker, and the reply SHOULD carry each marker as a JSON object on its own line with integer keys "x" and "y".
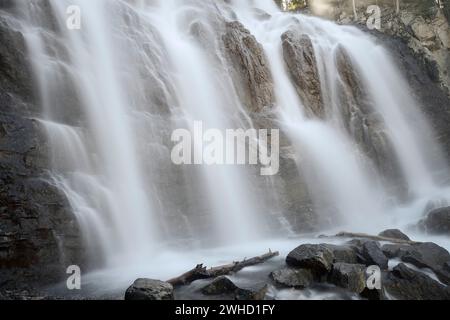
{"x": 315, "y": 257}
{"x": 223, "y": 286}
{"x": 148, "y": 289}
{"x": 430, "y": 255}
{"x": 395, "y": 250}
{"x": 255, "y": 294}
{"x": 343, "y": 253}
{"x": 220, "y": 285}
{"x": 293, "y": 278}
{"x": 422, "y": 255}
{"x": 301, "y": 62}
{"x": 349, "y": 276}
{"x": 394, "y": 234}
{"x": 407, "y": 284}
{"x": 437, "y": 221}
{"x": 250, "y": 66}
{"x": 373, "y": 255}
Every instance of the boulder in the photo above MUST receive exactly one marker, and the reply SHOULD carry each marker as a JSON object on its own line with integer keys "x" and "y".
{"x": 437, "y": 221}
{"x": 223, "y": 286}
{"x": 423, "y": 255}
{"x": 343, "y": 253}
{"x": 258, "y": 293}
{"x": 395, "y": 250}
{"x": 298, "y": 52}
{"x": 349, "y": 276}
{"x": 372, "y": 254}
{"x": 15, "y": 68}
{"x": 407, "y": 284}
{"x": 394, "y": 234}
{"x": 148, "y": 289}
{"x": 220, "y": 285}
{"x": 293, "y": 278}
{"x": 315, "y": 257}
{"x": 430, "y": 255}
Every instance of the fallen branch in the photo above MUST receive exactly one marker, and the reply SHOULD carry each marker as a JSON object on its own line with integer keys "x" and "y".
{"x": 370, "y": 237}
{"x": 201, "y": 272}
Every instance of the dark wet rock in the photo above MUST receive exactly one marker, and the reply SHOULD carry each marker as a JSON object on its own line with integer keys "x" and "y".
{"x": 250, "y": 67}
{"x": 407, "y": 284}
{"x": 315, "y": 257}
{"x": 223, "y": 286}
{"x": 220, "y": 285}
{"x": 343, "y": 253}
{"x": 373, "y": 255}
{"x": 15, "y": 68}
{"x": 373, "y": 294}
{"x": 423, "y": 255}
{"x": 36, "y": 223}
{"x": 298, "y": 52}
{"x": 394, "y": 234}
{"x": 430, "y": 255}
{"x": 349, "y": 276}
{"x": 6, "y": 4}
{"x": 395, "y": 250}
{"x": 293, "y": 278}
{"x": 437, "y": 221}
{"x": 251, "y": 294}
{"x": 148, "y": 289}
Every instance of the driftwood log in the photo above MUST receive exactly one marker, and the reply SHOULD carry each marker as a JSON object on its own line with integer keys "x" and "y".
{"x": 369, "y": 237}
{"x": 202, "y": 272}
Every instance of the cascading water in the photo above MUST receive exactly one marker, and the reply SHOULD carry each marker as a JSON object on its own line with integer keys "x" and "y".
{"x": 113, "y": 92}
{"x": 343, "y": 170}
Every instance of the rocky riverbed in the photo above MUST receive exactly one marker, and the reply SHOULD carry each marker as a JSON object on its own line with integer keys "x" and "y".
{"x": 389, "y": 266}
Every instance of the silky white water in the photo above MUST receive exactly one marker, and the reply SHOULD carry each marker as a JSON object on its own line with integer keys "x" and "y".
{"x": 113, "y": 92}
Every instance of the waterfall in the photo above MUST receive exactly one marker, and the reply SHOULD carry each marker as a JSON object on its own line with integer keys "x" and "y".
{"x": 344, "y": 172}
{"x": 113, "y": 92}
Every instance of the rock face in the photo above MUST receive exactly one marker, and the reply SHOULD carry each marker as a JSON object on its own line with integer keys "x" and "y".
{"x": 250, "y": 67}
{"x": 317, "y": 258}
{"x": 407, "y": 284}
{"x": 298, "y": 52}
{"x": 418, "y": 38}
{"x": 147, "y": 289}
{"x": 293, "y": 278}
{"x": 349, "y": 276}
{"x": 35, "y": 220}
{"x": 394, "y": 234}
{"x": 362, "y": 121}
{"x": 437, "y": 221}
{"x": 420, "y": 23}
